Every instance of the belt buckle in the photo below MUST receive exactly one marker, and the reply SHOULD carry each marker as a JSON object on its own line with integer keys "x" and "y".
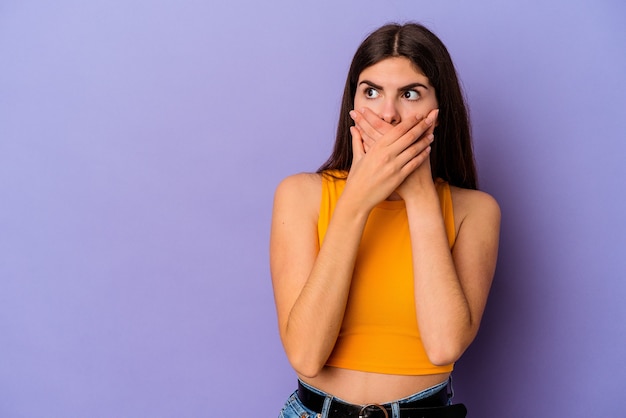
{"x": 373, "y": 405}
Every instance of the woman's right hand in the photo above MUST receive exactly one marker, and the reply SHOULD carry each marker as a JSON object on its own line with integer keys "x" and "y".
{"x": 393, "y": 153}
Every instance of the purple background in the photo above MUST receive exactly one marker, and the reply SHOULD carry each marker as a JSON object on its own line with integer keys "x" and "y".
{"x": 140, "y": 145}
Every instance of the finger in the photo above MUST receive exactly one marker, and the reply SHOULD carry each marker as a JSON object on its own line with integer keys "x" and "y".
{"x": 414, "y": 151}
{"x": 365, "y": 127}
{"x": 419, "y": 130}
{"x": 419, "y": 157}
{"x": 434, "y": 114}
{"x": 404, "y": 134}
{"x": 431, "y": 118}
{"x": 357, "y": 145}
{"x": 376, "y": 121}
{"x": 419, "y": 160}
{"x": 368, "y": 143}
{"x": 431, "y": 122}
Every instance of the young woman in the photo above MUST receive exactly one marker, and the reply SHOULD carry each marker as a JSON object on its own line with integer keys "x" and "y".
{"x": 382, "y": 260}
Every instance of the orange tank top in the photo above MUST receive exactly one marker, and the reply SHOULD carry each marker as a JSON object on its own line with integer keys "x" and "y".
{"x": 379, "y": 332}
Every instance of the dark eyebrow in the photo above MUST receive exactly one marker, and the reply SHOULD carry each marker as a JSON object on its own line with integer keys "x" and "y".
{"x": 404, "y": 88}
{"x": 369, "y": 83}
{"x": 412, "y": 86}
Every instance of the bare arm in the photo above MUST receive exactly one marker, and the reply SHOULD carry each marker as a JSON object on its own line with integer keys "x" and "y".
{"x": 311, "y": 288}
{"x": 451, "y": 287}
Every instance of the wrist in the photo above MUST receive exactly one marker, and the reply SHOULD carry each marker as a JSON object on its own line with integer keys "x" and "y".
{"x": 422, "y": 196}
{"x": 351, "y": 209}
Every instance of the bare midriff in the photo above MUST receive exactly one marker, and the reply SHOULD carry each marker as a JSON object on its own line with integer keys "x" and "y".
{"x": 365, "y": 387}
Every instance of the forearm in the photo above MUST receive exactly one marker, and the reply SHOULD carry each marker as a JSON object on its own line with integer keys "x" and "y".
{"x": 315, "y": 319}
{"x": 443, "y": 312}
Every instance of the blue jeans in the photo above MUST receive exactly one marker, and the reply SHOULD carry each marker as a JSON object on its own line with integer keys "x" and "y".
{"x": 294, "y": 409}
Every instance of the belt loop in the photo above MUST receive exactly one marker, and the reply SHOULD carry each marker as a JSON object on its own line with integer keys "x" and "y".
{"x": 450, "y": 390}
{"x": 326, "y": 407}
{"x": 395, "y": 410}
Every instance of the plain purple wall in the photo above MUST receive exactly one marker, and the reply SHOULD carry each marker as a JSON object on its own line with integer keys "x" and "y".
{"x": 140, "y": 145}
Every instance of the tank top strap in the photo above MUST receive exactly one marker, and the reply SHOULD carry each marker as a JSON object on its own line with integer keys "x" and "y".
{"x": 447, "y": 210}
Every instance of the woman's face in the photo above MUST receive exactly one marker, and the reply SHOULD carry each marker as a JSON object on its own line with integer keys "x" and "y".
{"x": 395, "y": 89}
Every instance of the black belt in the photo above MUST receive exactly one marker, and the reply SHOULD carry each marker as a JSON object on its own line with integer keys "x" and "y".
{"x": 433, "y": 406}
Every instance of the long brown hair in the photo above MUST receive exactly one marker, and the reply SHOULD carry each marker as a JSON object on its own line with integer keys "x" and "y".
{"x": 452, "y": 157}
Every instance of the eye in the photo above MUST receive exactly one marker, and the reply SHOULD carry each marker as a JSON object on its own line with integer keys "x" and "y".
{"x": 371, "y": 93}
{"x": 411, "y": 95}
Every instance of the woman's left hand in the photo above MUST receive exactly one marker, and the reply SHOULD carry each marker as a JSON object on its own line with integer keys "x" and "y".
{"x": 372, "y": 127}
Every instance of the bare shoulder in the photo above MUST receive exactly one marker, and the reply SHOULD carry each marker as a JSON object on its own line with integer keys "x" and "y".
{"x": 300, "y": 181}
{"x": 476, "y": 205}
{"x": 299, "y": 192}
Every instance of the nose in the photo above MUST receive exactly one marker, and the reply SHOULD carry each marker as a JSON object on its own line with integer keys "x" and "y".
{"x": 389, "y": 111}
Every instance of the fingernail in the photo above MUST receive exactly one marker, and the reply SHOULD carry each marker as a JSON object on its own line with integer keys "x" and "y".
{"x": 432, "y": 117}
{"x": 431, "y": 138}
{"x": 352, "y": 114}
